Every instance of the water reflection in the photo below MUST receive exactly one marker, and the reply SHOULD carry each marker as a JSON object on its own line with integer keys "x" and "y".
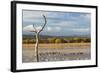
{"x": 56, "y": 55}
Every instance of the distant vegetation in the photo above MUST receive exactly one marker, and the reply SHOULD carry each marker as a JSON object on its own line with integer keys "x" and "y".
{"x": 31, "y": 39}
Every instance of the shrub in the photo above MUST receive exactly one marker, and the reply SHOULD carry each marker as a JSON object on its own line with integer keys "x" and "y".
{"x": 25, "y": 41}
{"x": 51, "y": 40}
{"x": 58, "y": 40}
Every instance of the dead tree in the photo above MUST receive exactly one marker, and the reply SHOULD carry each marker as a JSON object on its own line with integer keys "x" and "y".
{"x": 37, "y": 31}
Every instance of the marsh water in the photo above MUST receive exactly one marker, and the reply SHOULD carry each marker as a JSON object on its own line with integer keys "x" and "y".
{"x": 46, "y": 55}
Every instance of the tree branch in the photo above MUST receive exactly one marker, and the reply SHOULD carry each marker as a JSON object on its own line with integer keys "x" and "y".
{"x": 44, "y": 23}
{"x": 34, "y": 28}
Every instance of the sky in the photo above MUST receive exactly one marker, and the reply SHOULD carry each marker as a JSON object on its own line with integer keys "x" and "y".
{"x": 58, "y": 23}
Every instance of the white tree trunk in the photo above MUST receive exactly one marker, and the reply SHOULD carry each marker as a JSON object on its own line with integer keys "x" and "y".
{"x": 36, "y": 47}
{"x": 37, "y": 39}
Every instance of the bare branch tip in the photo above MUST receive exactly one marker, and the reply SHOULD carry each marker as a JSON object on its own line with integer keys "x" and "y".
{"x": 43, "y": 15}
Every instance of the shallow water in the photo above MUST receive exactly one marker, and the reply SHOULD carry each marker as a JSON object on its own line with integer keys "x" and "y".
{"x": 46, "y": 55}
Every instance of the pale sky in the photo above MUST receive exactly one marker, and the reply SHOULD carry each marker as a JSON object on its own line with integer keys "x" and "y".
{"x": 58, "y": 23}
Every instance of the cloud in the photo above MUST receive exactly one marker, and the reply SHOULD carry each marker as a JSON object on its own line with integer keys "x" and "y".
{"x": 30, "y": 28}
{"x": 85, "y": 16}
{"x": 49, "y": 29}
{"x": 56, "y": 18}
{"x": 67, "y": 24}
{"x": 33, "y": 14}
{"x": 58, "y": 28}
{"x": 81, "y": 30}
{"x": 53, "y": 29}
{"x": 60, "y": 23}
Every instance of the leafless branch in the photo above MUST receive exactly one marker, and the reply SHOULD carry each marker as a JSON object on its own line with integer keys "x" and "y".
{"x": 37, "y": 37}
{"x": 34, "y": 28}
{"x": 45, "y": 22}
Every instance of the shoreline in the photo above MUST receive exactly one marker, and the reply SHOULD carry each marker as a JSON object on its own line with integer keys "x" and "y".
{"x": 58, "y": 46}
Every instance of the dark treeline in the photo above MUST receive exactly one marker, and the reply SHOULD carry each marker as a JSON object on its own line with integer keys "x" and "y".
{"x": 57, "y": 40}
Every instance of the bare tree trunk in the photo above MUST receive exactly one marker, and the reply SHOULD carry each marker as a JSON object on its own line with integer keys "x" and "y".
{"x": 36, "y": 47}
{"x": 37, "y": 39}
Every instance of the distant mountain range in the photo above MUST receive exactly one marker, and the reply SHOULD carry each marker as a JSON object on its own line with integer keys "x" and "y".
{"x": 49, "y": 36}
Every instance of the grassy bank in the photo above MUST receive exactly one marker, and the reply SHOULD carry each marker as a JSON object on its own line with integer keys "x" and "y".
{"x": 58, "y": 46}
